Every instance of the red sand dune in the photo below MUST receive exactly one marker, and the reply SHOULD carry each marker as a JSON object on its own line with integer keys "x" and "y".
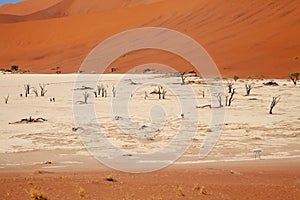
{"x": 27, "y": 7}
{"x": 243, "y": 37}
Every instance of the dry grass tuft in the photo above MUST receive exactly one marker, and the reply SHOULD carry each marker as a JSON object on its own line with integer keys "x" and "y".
{"x": 110, "y": 178}
{"x": 203, "y": 190}
{"x": 38, "y": 196}
{"x": 196, "y": 187}
{"x": 82, "y": 192}
{"x": 180, "y": 192}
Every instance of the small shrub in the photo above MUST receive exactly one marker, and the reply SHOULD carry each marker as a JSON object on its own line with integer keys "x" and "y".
{"x": 203, "y": 190}
{"x": 14, "y": 68}
{"x": 235, "y": 78}
{"x": 180, "y": 192}
{"x": 82, "y": 192}
{"x": 110, "y": 178}
{"x": 196, "y": 187}
{"x": 38, "y": 196}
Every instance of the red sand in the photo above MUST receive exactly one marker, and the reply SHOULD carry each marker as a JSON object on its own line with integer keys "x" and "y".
{"x": 243, "y": 37}
{"x": 263, "y": 179}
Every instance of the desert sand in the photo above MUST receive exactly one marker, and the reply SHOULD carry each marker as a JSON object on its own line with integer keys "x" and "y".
{"x": 43, "y": 156}
{"x": 64, "y": 146}
{"x": 243, "y": 37}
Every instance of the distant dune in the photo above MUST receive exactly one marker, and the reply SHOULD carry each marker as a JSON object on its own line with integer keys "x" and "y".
{"x": 243, "y": 37}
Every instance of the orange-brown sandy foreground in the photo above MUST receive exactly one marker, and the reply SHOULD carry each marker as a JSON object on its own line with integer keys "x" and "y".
{"x": 264, "y": 179}
{"x": 243, "y": 37}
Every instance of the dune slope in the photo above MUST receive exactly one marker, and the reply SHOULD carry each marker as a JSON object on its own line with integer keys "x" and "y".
{"x": 243, "y": 37}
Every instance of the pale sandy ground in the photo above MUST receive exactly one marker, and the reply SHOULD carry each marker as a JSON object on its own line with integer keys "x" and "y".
{"x": 247, "y": 124}
{"x": 24, "y": 148}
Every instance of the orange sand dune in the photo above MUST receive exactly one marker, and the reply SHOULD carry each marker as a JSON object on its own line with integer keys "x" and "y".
{"x": 243, "y": 37}
{"x": 27, "y": 7}
{"x": 65, "y": 8}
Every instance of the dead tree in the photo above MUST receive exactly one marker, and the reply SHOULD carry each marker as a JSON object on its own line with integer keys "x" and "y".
{"x": 294, "y": 77}
{"x": 163, "y": 93}
{"x": 274, "y": 103}
{"x": 159, "y": 92}
{"x": 43, "y": 89}
{"x": 248, "y": 88}
{"x": 146, "y": 95}
{"x": 229, "y": 85}
{"x": 230, "y": 100}
{"x": 95, "y": 93}
{"x": 101, "y": 89}
{"x": 182, "y": 77}
{"x": 203, "y": 93}
{"x": 6, "y": 99}
{"x": 114, "y": 91}
{"x": 85, "y": 96}
{"x": 105, "y": 92}
{"x": 27, "y": 89}
{"x": 35, "y": 91}
{"x": 219, "y": 98}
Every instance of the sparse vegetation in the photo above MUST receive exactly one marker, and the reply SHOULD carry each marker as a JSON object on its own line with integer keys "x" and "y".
{"x": 271, "y": 83}
{"x": 6, "y": 99}
{"x": 256, "y": 76}
{"x": 161, "y": 92}
{"x": 114, "y": 90}
{"x": 203, "y": 93}
{"x": 81, "y": 192}
{"x": 248, "y": 87}
{"x": 35, "y": 91}
{"x": 43, "y": 89}
{"x": 219, "y": 98}
{"x": 229, "y": 84}
{"x": 27, "y": 89}
{"x": 180, "y": 192}
{"x": 38, "y": 196}
{"x": 230, "y": 99}
{"x": 102, "y": 91}
{"x": 294, "y": 77}
{"x": 274, "y": 103}
{"x": 110, "y": 178}
{"x": 14, "y": 68}
{"x": 196, "y": 186}
{"x": 86, "y": 96}
{"x": 30, "y": 120}
{"x": 203, "y": 190}
{"x": 235, "y": 78}
{"x": 182, "y": 77}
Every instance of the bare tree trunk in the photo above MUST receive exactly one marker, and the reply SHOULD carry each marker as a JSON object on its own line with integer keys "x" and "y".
{"x": 114, "y": 91}
{"x": 248, "y": 88}
{"x": 274, "y": 103}
{"x": 27, "y": 89}
{"x": 219, "y": 98}
{"x": 35, "y": 92}
{"x": 229, "y": 85}
{"x": 85, "y": 96}
{"x": 159, "y": 92}
{"x": 182, "y": 78}
{"x": 203, "y": 93}
{"x": 164, "y": 93}
{"x": 231, "y": 97}
{"x": 43, "y": 89}
{"x": 6, "y": 99}
{"x": 294, "y": 80}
